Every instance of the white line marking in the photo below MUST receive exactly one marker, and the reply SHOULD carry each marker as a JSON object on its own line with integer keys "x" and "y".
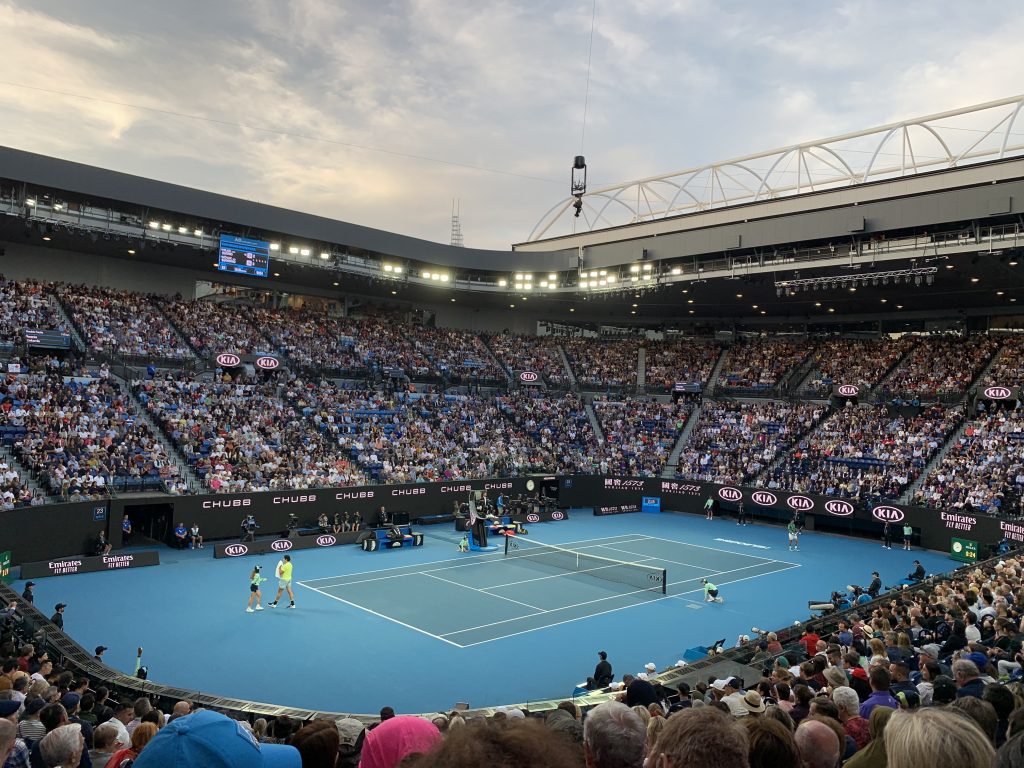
{"x": 481, "y": 591}
{"x": 562, "y": 573}
{"x": 716, "y": 549}
{"x": 680, "y": 596}
{"x": 478, "y": 560}
{"x": 652, "y": 557}
{"x": 743, "y": 543}
{"x": 381, "y": 615}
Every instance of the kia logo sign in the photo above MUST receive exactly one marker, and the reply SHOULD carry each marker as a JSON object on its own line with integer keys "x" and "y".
{"x": 764, "y": 498}
{"x": 533, "y": 518}
{"x": 997, "y": 393}
{"x": 800, "y": 503}
{"x": 730, "y": 494}
{"x": 280, "y": 545}
{"x": 849, "y": 390}
{"x": 236, "y": 550}
{"x": 267, "y": 363}
{"x": 888, "y": 514}
{"x": 528, "y": 376}
{"x": 228, "y": 360}
{"x": 326, "y": 541}
{"x": 839, "y": 507}
{"x": 556, "y": 515}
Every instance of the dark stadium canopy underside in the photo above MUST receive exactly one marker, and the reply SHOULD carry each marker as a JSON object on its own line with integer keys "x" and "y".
{"x": 962, "y": 228}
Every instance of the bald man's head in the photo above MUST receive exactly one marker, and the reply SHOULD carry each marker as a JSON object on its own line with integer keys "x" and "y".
{"x": 818, "y": 745}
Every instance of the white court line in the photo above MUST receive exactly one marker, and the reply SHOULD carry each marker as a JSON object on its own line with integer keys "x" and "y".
{"x": 413, "y": 570}
{"x": 651, "y": 557}
{"x": 613, "y": 610}
{"x": 561, "y": 574}
{"x": 478, "y": 559}
{"x": 608, "y": 597}
{"x": 381, "y": 615}
{"x": 715, "y": 549}
{"x": 481, "y": 591}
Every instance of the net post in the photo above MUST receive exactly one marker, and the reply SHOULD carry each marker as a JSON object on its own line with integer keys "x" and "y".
{"x": 664, "y": 581}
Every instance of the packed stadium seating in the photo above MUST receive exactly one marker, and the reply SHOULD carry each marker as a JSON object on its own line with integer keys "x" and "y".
{"x": 760, "y": 363}
{"x": 983, "y": 471}
{"x": 685, "y": 360}
{"x": 24, "y": 305}
{"x": 530, "y": 353}
{"x": 942, "y": 365}
{"x": 599, "y": 364}
{"x": 733, "y": 442}
{"x": 854, "y": 361}
{"x": 562, "y": 437}
{"x": 639, "y": 434}
{"x": 864, "y": 453}
{"x": 1008, "y": 367}
{"x": 121, "y": 323}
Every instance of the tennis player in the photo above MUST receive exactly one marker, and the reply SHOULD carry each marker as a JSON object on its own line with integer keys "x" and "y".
{"x": 284, "y": 580}
{"x": 711, "y": 592}
{"x": 255, "y": 579}
{"x": 794, "y": 536}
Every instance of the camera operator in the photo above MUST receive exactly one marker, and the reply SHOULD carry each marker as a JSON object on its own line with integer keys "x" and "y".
{"x": 249, "y": 527}
{"x": 323, "y": 523}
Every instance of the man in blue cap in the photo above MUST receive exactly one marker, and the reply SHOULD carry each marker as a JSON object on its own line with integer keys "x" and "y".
{"x": 212, "y": 740}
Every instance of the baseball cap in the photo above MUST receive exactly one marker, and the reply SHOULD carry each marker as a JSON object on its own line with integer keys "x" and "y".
{"x": 719, "y": 685}
{"x": 932, "y": 649}
{"x": 980, "y": 660}
{"x": 70, "y": 700}
{"x": 100, "y": 649}
{"x": 30, "y": 583}
{"x": 58, "y": 606}
{"x": 35, "y": 705}
{"x": 213, "y": 740}
{"x": 349, "y": 731}
{"x": 8, "y": 707}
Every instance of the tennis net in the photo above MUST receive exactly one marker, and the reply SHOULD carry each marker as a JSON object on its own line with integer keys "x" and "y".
{"x": 642, "y": 577}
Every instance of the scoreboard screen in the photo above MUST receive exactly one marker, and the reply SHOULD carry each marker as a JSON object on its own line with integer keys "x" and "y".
{"x": 244, "y": 256}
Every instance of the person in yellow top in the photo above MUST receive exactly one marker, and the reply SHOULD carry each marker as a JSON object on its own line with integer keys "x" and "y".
{"x": 284, "y": 580}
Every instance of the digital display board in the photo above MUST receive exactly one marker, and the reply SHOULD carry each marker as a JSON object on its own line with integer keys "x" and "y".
{"x": 243, "y": 256}
{"x": 36, "y": 337}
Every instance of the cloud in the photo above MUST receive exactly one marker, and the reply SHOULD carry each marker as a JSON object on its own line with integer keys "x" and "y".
{"x": 497, "y": 85}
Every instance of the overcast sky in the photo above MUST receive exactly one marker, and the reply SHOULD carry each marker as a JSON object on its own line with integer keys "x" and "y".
{"x": 481, "y": 101}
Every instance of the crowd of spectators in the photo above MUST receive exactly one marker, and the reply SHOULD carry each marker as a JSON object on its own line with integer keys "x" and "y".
{"x": 685, "y": 360}
{"x": 79, "y": 436}
{"x": 864, "y": 452}
{"x": 942, "y": 365}
{"x": 863, "y": 362}
{"x": 600, "y": 364}
{"x": 1008, "y": 368}
{"x": 24, "y": 304}
{"x": 761, "y": 363}
{"x": 539, "y": 354}
{"x": 212, "y": 328}
{"x": 639, "y": 434}
{"x": 733, "y": 442}
{"x": 983, "y": 471}
{"x": 561, "y": 436}
{"x": 121, "y": 323}
{"x": 244, "y": 436}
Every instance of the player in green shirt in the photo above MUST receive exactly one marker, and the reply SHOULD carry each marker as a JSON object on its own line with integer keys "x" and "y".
{"x": 794, "y": 536}
{"x": 255, "y": 579}
{"x": 284, "y": 580}
{"x": 711, "y": 592}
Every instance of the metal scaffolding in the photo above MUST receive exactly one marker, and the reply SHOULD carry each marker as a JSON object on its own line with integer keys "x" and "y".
{"x": 959, "y": 137}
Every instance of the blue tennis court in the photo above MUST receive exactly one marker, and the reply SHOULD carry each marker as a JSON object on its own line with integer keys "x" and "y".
{"x": 477, "y": 599}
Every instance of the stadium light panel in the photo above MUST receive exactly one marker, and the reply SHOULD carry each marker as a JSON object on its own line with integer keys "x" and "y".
{"x": 293, "y": 250}
{"x": 634, "y": 268}
{"x": 676, "y": 271}
{"x": 634, "y": 279}
{"x": 552, "y": 286}
{"x": 603, "y": 272}
{"x": 58, "y": 206}
{"x": 31, "y": 203}
{"x": 304, "y": 251}
{"x": 552, "y": 276}
{"x": 166, "y": 227}
{"x": 388, "y": 268}
{"x": 648, "y": 267}
{"x": 154, "y": 225}
{"x": 584, "y": 283}
{"x": 131, "y": 251}
{"x": 325, "y": 255}
{"x": 502, "y": 283}
{"x": 275, "y": 246}
{"x": 444, "y": 278}
{"x": 197, "y": 232}
{"x": 519, "y": 276}
{"x": 425, "y": 275}
{"x": 543, "y": 283}
{"x": 604, "y": 282}
{"x": 611, "y": 278}
{"x": 183, "y": 230}
{"x": 399, "y": 269}
{"x": 519, "y": 286}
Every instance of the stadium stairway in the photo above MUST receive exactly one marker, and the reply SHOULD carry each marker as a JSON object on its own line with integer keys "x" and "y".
{"x": 11, "y": 460}
{"x": 935, "y": 462}
{"x": 829, "y": 412}
{"x": 182, "y": 338}
{"x": 573, "y": 384}
{"x": 185, "y": 473}
{"x": 76, "y": 338}
{"x": 594, "y": 421}
{"x": 712, "y": 382}
{"x": 880, "y": 384}
{"x": 641, "y": 369}
{"x": 802, "y": 374}
{"x": 673, "y": 458}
